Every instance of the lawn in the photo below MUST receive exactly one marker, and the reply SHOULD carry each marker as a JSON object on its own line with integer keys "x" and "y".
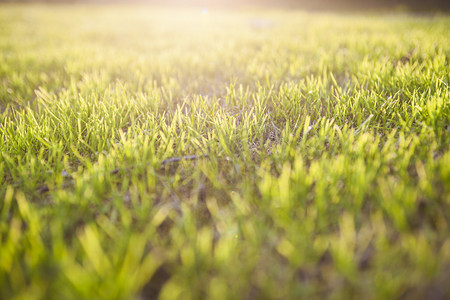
{"x": 223, "y": 154}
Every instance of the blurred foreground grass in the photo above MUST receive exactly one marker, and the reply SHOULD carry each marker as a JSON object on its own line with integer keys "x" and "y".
{"x": 322, "y": 143}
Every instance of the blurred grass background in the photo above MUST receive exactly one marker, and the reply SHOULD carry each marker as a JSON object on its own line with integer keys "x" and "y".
{"x": 327, "y": 172}
{"x": 430, "y": 5}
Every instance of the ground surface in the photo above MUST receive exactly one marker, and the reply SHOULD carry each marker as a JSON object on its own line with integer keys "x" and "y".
{"x": 321, "y": 162}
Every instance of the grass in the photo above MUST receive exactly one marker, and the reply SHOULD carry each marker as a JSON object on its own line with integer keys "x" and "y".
{"x": 319, "y": 154}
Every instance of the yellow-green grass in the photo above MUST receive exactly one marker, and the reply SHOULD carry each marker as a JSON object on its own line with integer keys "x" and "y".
{"x": 319, "y": 154}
